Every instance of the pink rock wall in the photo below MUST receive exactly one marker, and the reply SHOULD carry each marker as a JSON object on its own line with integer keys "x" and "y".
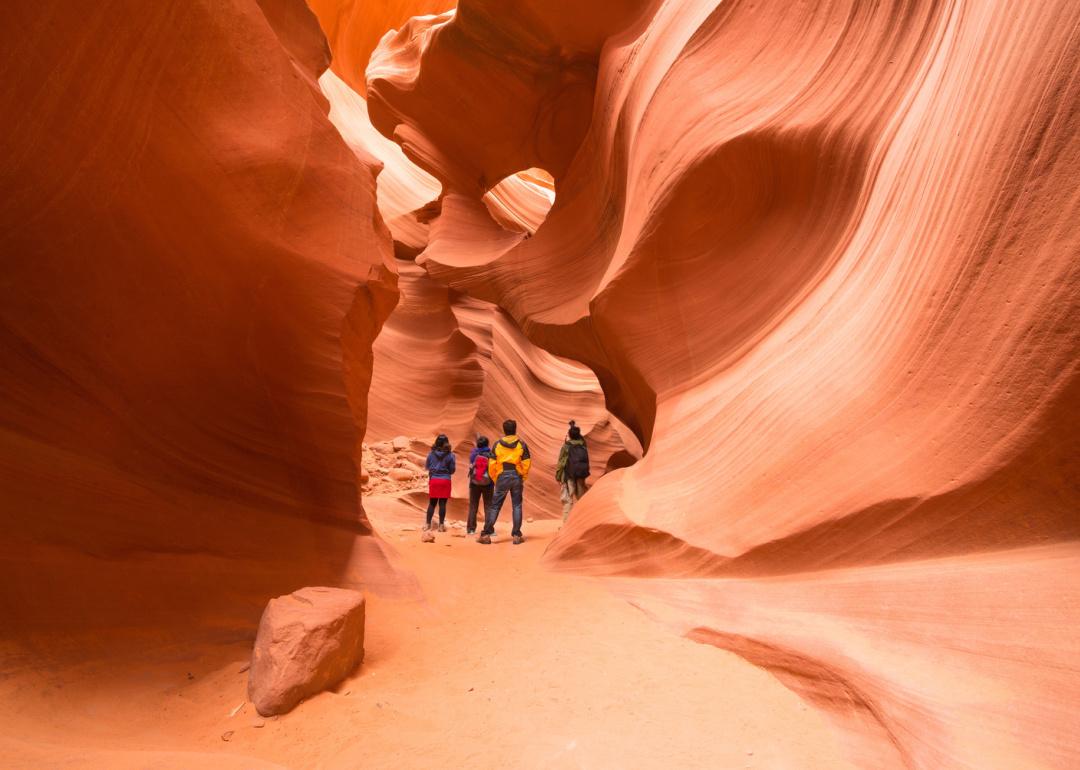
{"x": 822, "y": 259}
{"x": 449, "y": 363}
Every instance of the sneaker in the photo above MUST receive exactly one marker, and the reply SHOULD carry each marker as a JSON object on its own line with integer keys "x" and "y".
{"x": 518, "y": 540}
{"x": 484, "y": 540}
{"x": 470, "y": 532}
{"x": 442, "y": 527}
{"x": 426, "y": 528}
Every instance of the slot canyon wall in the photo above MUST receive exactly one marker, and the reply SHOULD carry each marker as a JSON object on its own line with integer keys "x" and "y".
{"x": 823, "y": 260}
{"x": 812, "y": 266}
{"x": 192, "y": 261}
{"x": 449, "y": 363}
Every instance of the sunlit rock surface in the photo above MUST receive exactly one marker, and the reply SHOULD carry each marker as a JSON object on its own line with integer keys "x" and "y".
{"x": 355, "y": 27}
{"x": 822, "y": 259}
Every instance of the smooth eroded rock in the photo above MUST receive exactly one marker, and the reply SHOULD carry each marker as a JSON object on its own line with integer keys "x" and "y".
{"x": 401, "y": 474}
{"x": 308, "y": 641}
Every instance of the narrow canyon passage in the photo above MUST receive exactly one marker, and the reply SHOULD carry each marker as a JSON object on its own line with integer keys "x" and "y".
{"x": 805, "y": 274}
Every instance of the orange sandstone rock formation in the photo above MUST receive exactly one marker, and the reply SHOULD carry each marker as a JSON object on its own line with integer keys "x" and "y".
{"x": 446, "y": 363}
{"x": 308, "y": 641}
{"x": 355, "y": 27}
{"x": 823, "y": 260}
{"x": 449, "y": 363}
{"x": 817, "y": 260}
{"x": 192, "y": 262}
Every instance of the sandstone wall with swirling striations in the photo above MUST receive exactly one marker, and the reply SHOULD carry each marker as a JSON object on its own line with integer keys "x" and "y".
{"x": 822, "y": 259}
{"x": 449, "y": 363}
{"x": 186, "y": 243}
{"x": 355, "y": 27}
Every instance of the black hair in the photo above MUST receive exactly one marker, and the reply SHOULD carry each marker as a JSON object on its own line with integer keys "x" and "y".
{"x": 481, "y": 442}
{"x": 575, "y": 432}
{"x": 441, "y": 441}
{"x": 509, "y": 427}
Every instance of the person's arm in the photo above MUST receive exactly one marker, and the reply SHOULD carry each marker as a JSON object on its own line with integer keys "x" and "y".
{"x": 453, "y": 464}
{"x": 526, "y": 460}
{"x": 427, "y": 463}
{"x": 560, "y": 467}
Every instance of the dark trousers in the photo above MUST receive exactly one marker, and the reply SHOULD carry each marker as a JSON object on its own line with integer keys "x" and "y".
{"x": 508, "y": 482}
{"x": 476, "y": 492}
{"x": 431, "y": 509}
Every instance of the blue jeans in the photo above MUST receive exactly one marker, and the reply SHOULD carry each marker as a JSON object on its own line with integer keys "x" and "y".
{"x": 508, "y": 481}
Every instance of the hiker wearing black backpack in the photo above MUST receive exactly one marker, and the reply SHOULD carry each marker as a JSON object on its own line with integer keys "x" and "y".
{"x": 480, "y": 484}
{"x": 572, "y": 468}
{"x": 509, "y": 468}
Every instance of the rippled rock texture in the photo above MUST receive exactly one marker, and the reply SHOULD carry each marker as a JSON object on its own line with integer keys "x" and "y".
{"x": 192, "y": 261}
{"x": 822, "y": 259}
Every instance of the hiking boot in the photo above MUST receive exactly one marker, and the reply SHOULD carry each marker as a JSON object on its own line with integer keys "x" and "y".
{"x": 442, "y": 527}
{"x": 484, "y": 539}
{"x": 518, "y": 540}
{"x": 470, "y": 532}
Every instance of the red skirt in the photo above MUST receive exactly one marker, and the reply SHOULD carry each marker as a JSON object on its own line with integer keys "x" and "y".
{"x": 438, "y": 488}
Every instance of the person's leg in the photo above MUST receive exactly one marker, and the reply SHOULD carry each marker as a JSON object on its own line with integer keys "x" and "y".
{"x": 474, "y": 503}
{"x": 430, "y": 512}
{"x": 442, "y": 513}
{"x": 567, "y": 499}
{"x": 486, "y": 492}
{"x": 516, "y": 493}
{"x": 497, "y": 498}
{"x": 579, "y": 488}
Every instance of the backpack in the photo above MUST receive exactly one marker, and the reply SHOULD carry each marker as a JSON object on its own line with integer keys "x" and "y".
{"x": 577, "y": 461}
{"x": 480, "y": 470}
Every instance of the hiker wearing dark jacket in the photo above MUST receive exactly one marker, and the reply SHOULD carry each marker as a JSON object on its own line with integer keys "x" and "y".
{"x": 572, "y": 469}
{"x": 480, "y": 484}
{"x": 441, "y": 465}
{"x": 508, "y": 468}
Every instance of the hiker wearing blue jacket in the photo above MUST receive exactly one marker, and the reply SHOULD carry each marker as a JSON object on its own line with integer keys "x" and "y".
{"x": 441, "y": 465}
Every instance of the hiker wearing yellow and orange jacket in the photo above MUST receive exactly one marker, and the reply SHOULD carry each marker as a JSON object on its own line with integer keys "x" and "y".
{"x": 509, "y": 468}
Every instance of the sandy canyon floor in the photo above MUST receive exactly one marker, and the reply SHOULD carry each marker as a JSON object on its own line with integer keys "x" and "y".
{"x": 501, "y": 664}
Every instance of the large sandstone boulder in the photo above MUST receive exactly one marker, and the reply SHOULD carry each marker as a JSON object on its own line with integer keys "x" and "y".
{"x": 308, "y": 641}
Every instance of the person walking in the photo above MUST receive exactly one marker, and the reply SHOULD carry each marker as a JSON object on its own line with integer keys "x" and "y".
{"x": 480, "y": 485}
{"x": 441, "y": 465}
{"x": 509, "y": 468}
{"x": 572, "y": 469}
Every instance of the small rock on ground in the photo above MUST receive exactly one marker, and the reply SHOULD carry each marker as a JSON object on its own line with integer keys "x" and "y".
{"x": 308, "y": 641}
